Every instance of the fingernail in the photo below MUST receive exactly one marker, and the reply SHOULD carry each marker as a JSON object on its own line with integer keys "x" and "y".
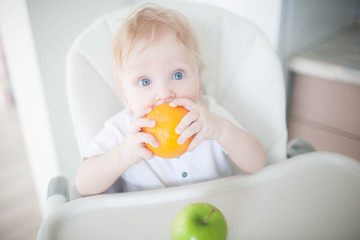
{"x": 177, "y": 130}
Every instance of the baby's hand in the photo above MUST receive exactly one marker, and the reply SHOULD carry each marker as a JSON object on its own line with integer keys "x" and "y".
{"x": 133, "y": 148}
{"x": 200, "y": 122}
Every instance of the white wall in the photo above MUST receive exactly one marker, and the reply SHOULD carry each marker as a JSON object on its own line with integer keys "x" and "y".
{"x": 28, "y": 92}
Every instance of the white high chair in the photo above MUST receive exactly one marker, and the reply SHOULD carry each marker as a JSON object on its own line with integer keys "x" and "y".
{"x": 244, "y": 74}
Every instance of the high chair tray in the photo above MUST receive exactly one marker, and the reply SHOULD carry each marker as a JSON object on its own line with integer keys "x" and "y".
{"x": 311, "y": 196}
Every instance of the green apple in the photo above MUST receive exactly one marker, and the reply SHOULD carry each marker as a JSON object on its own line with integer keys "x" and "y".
{"x": 199, "y": 221}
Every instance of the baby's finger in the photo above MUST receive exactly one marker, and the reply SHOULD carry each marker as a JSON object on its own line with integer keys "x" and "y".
{"x": 185, "y": 122}
{"x": 134, "y": 128}
{"x": 143, "y": 113}
{"x": 147, "y": 138}
{"x": 140, "y": 123}
{"x": 197, "y": 139}
{"x": 145, "y": 153}
{"x": 145, "y": 122}
{"x": 188, "y": 132}
{"x": 184, "y": 102}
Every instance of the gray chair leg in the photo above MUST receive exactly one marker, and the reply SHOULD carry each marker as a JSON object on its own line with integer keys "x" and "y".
{"x": 58, "y": 193}
{"x": 298, "y": 146}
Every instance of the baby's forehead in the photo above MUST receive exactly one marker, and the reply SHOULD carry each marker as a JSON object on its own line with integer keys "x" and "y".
{"x": 153, "y": 37}
{"x": 168, "y": 41}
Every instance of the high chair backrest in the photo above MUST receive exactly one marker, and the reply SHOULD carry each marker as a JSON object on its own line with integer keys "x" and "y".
{"x": 242, "y": 72}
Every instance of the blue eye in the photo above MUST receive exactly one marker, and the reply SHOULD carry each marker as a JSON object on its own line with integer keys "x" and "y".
{"x": 178, "y": 76}
{"x": 144, "y": 82}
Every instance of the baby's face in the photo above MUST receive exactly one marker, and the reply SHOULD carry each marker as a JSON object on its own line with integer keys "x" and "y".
{"x": 159, "y": 73}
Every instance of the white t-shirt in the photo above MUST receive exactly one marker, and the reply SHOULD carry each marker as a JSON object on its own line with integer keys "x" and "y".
{"x": 206, "y": 162}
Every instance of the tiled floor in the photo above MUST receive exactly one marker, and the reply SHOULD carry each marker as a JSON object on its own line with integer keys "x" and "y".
{"x": 20, "y": 216}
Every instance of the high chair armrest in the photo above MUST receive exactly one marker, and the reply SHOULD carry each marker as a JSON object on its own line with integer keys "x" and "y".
{"x": 58, "y": 193}
{"x": 297, "y": 147}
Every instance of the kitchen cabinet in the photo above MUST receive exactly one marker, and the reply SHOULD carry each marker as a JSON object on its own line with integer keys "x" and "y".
{"x": 325, "y": 99}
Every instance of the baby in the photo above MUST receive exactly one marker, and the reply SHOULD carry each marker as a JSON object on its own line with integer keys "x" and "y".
{"x": 156, "y": 60}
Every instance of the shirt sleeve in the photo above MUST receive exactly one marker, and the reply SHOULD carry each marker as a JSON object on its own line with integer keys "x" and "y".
{"x": 112, "y": 134}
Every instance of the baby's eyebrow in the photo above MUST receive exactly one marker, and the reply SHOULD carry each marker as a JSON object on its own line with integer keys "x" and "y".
{"x": 181, "y": 61}
{"x": 140, "y": 76}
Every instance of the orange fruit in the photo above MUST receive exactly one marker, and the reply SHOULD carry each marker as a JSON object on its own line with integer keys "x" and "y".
{"x": 167, "y": 118}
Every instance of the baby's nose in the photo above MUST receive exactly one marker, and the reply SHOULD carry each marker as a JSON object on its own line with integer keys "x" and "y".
{"x": 165, "y": 94}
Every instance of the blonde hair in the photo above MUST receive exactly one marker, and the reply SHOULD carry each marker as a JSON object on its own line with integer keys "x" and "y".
{"x": 149, "y": 22}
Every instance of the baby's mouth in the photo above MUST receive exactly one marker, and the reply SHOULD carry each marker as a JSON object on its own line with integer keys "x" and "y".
{"x": 161, "y": 102}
